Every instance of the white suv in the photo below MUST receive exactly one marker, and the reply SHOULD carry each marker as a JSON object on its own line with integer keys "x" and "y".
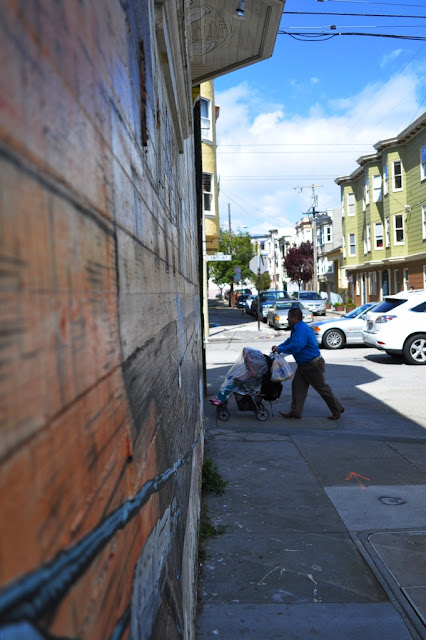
{"x": 398, "y": 326}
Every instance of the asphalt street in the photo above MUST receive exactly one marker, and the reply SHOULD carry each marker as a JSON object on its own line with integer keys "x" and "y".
{"x": 324, "y": 522}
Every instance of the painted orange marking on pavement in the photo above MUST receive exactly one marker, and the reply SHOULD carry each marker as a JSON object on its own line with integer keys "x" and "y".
{"x": 357, "y": 477}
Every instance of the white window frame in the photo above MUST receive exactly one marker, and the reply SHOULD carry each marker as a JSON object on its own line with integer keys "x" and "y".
{"x": 395, "y": 229}
{"x": 208, "y": 212}
{"x": 405, "y": 279}
{"x": 423, "y": 163}
{"x": 368, "y": 238}
{"x": 367, "y": 190}
{"x": 387, "y": 232}
{"x": 377, "y": 188}
{"x": 396, "y": 281}
{"x": 373, "y": 283}
{"x": 378, "y": 236}
{"x": 395, "y": 175}
{"x": 352, "y": 244}
{"x": 385, "y": 180}
{"x": 350, "y": 203}
{"x": 206, "y": 120}
{"x": 424, "y": 221}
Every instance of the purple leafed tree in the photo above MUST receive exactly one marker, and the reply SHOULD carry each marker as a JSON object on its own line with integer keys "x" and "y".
{"x": 299, "y": 263}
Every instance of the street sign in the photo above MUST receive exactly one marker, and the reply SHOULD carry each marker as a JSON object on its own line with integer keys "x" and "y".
{"x": 264, "y": 264}
{"x": 218, "y": 257}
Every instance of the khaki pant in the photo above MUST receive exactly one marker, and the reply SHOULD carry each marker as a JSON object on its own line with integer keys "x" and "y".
{"x": 312, "y": 373}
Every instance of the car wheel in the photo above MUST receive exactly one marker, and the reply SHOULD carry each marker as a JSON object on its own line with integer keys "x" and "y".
{"x": 333, "y": 339}
{"x": 414, "y": 350}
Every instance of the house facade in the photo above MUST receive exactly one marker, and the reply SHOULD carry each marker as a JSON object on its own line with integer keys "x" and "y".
{"x": 101, "y": 388}
{"x": 384, "y": 217}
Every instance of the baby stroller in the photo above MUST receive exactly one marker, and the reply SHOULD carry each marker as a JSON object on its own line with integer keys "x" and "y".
{"x": 249, "y": 379}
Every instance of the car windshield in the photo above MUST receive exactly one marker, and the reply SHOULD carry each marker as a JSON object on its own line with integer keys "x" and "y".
{"x": 388, "y": 304}
{"x": 357, "y": 312}
{"x": 283, "y": 305}
{"x": 273, "y": 295}
{"x": 309, "y": 295}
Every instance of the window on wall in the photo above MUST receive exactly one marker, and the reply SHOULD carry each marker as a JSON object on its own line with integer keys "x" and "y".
{"x": 208, "y": 194}
{"x": 206, "y": 120}
{"x": 405, "y": 276}
{"x": 424, "y": 221}
{"x": 399, "y": 228}
{"x": 377, "y": 188}
{"x": 387, "y": 232}
{"x": 385, "y": 180}
{"x": 397, "y": 282}
{"x": 378, "y": 235}
{"x": 367, "y": 190}
{"x": 351, "y": 204}
{"x": 423, "y": 163}
{"x": 352, "y": 244}
{"x": 397, "y": 175}
{"x": 373, "y": 283}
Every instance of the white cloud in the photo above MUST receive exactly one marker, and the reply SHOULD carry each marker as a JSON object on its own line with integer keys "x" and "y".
{"x": 315, "y": 149}
{"x": 314, "y": 80}
{"x": 390, "y": 57}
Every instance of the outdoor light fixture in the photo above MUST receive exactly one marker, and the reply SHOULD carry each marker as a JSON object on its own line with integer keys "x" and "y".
{"x": 239, "y": 11}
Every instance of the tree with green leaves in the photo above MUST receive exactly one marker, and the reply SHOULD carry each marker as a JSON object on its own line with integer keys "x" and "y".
{"x": 241, "y": 250}
{"x": 299, "y": 263}
{"x": 265, "y": 280}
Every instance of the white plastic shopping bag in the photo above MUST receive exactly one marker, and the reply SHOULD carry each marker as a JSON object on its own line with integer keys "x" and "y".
{"x": 281, "y": 369}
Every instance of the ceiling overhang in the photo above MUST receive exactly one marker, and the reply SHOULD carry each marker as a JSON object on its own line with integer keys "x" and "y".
{"x": 219, "y": 42}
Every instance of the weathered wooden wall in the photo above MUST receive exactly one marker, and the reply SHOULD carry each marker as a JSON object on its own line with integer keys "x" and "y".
{"x": 100, "y": 370}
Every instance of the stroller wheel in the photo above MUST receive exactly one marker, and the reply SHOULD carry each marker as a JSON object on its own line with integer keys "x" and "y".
{"x": 223, "y": 413}
{"x": 262, "y": 414}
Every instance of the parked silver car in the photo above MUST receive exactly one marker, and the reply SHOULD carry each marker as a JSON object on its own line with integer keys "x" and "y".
{"x": 278, "y": 313}
{"x": 340, "y": 332}
{"x": 312, "y": 300}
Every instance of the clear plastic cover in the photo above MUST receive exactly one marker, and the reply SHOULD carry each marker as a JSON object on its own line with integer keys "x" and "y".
{"x": 246, "y": 374}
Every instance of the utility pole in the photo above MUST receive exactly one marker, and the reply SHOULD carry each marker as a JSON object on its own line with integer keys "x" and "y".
{"x": 314, "y": 211}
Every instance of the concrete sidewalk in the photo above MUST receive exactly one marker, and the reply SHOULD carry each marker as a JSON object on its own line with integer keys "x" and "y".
{"x": 324, "y": 530}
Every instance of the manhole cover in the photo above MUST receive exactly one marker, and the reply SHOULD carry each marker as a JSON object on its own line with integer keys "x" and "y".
{"x": 392, "y": 500}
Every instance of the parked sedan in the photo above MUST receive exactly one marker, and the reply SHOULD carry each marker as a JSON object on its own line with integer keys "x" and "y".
{"x": 278, "y": 314}
{"x": 340, "y": 332}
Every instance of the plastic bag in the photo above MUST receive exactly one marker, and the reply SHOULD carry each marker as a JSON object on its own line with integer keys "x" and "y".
{"x": 281, "y": 369}
{"x": 247, "y": 373}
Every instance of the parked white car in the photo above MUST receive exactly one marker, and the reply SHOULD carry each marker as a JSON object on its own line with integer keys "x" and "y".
{"x": 340, "y": 332}
{"x": 398, "y": 326}
{"x": 278, "y": 313}
{"x": 312, "y": 301}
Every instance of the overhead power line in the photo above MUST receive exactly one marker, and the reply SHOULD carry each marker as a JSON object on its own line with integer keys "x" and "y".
{"x": 320, "y": 37}
{"x": 387, "y": 4}
{"x": 335, "y": 13}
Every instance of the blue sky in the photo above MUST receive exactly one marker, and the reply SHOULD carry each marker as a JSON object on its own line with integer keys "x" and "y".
{"x": 305, "y": 115}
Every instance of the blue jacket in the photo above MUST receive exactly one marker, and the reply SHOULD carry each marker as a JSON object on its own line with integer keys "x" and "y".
{"x": 301, "y": 344}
